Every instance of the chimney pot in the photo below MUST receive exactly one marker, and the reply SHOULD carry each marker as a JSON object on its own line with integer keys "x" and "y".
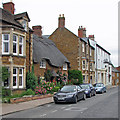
{"x": 61, "y": 21}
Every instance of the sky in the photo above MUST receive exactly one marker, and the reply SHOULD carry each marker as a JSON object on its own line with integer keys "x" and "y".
{"x": 99, "y": 17}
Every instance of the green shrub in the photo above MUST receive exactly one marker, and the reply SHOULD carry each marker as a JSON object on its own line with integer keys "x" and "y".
{"x": 6, "y": 100}
{"x": 75, "y": 76}
{"x": 6, "y": 92}
{"x": 28, "y": 92}
{"x": 48, "y": 75}
{"x": 55, "y": 89}
{"x": 31, "y": 81}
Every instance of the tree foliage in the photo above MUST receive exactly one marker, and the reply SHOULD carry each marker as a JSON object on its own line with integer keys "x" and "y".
{"x": 75, "y": 76}
{"x": 5, "y": 73}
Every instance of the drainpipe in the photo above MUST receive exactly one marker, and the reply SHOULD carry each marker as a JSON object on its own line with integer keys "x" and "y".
{"x": 29, "y": 49}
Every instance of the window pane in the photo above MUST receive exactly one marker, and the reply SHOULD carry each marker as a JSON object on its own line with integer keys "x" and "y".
{"x": 6, "y": 37}
{"x": 14, "y": 71}
{"x": 20, "y": 80}
{"x": 14, "y": 80}
{"x": 20, "y": 49}
{"x": 20, "y": 71}
{"x": 14, "y": 38}
{"x": 5, "y": 46}
{"x": 21, "y": 39}
{"x": 14, "y": 48}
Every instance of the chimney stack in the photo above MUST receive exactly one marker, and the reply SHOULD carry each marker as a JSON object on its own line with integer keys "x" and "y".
{"x": 37, "y": 30}
{"x": 81, "y": 32}
{"x": 61, "y": 21}
{"x": 91, "y": 37}
{"x": 9, "y": 6}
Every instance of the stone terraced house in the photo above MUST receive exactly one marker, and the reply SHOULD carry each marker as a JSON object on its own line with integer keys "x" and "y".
{"x": 46, "y": 56}
{"x": 77, "y": 49}
{"x": 15, "y": 46}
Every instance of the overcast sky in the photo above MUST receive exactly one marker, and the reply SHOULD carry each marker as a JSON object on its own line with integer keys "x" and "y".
{"x": 100, "y": 17}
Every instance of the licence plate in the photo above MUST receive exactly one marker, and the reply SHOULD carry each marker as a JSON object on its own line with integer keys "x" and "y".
{"x": 61, "y": 98}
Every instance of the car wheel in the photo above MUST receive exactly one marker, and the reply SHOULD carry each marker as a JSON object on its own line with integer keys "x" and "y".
{"x": 90, "y": 95}
{"x": 105, "y": 91}
{"x": 102, "y": 92}
{"x": 94, "y": 93}
{"x": 84, "y": 97}
{"x": 76, "y": 99}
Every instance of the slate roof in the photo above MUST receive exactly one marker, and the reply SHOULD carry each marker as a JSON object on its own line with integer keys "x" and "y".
{"x": 44, "y": 48}
{"x": 115, "y": 70}
{"x": 21, "y": 15}
{"x": 9, "y": 18}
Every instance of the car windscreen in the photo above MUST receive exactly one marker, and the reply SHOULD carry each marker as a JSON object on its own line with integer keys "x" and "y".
{"x": 99, "y": 85}
{"x": 85, "y": 86}
{"x": 68, "y": 89}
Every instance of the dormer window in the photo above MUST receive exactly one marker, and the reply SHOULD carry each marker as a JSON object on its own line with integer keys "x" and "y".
{"x": 25, "y": 25}
{"x": 42, "y": 64}
{"x": 65, "y": 66}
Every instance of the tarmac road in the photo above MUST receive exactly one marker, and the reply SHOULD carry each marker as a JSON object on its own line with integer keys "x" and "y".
{"x": 99, "y": 106}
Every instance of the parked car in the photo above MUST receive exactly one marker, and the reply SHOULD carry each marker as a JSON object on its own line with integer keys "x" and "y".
{"x": 89, "y": 89}
{"x": 69, "y": 93}
{"x": 100, "y": 88}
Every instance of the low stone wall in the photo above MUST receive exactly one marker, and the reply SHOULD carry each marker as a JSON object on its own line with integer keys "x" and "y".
{"x": 28, "y": 98}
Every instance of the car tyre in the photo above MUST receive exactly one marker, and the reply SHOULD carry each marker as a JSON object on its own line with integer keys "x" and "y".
{"x": 55, "y": 102}
{"x": 90, "y": 95}
{"x": 84, "y": 97}
{"x": 94, "y": 93}
{"x": 76, "y": 99}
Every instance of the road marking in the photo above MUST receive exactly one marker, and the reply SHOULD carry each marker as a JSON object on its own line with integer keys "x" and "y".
{"x": 69, "y": 105}
{"x": 63, "y": 107}
{"x": 54, "y": 111}
{"x": 76, "y": 109}
{"x": 43, "y": 115}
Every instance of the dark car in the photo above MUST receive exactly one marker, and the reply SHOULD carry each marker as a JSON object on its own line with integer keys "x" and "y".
{"x": 89, "y": 89}
{"x": 69, "y": 93}
{"x": 100, "y": 88}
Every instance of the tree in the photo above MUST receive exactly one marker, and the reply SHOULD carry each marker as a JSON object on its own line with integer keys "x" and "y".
{"x": 75, "y": 76}
{"x": 5, "y": 73}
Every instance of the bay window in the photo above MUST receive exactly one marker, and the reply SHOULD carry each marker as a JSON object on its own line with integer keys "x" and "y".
{"x": 21, "y": 45}
{"x": 5, "y": 43}
{"x": 14, "y": 77}
{"x": 15, "y": 39}
{"x": 20, "y": 77}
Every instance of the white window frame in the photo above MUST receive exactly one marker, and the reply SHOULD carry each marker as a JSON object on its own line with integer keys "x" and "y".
{"x": 21, "y": 75}
{"x": 24, "y": 25}
{"x": 91, "y": 66}
{"x": 86, "y": 65}
{"x": 84, "y": 79}
{"x": 16, "y": 42}
{"x": 65, "y": 66}
{"x": 5, "y": 41}
{"x": 21, "y": 44}
{"x": 42, "y": 64}
{"x": 15, "y": 75}
{"x": 83, "y": 65}
{"x": 83, "y": 47}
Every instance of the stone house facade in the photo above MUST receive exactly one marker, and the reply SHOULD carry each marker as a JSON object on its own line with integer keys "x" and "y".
{"x": 46, "y": 56}
{"x": 74, "y": 48}
{"x": 115, "y": 76}
{"x": 14, "y": 37}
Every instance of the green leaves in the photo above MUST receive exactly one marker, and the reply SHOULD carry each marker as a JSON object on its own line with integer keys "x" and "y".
{"x": 75, "y": 76}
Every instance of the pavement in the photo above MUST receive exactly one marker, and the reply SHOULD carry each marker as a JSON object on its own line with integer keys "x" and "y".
{"x": 11, "y": 108}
